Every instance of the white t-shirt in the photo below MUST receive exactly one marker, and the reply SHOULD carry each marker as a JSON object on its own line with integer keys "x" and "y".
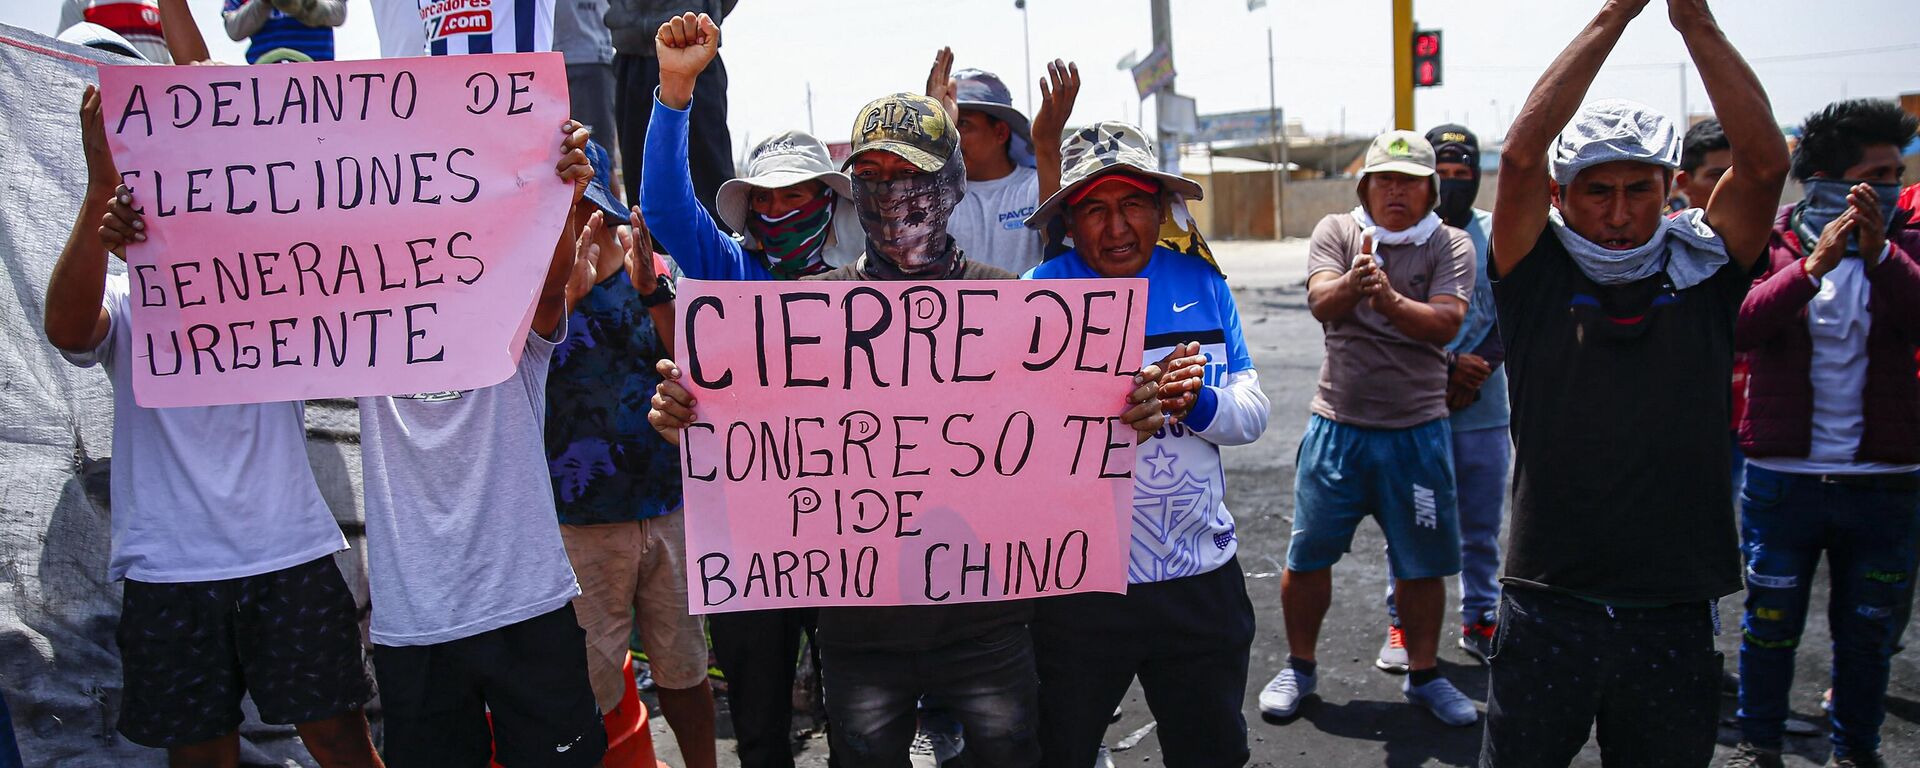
{"x": 207, "y": 493}
{"x": 990, "y": 226}
{"x": 397, "y": 22}
{"x": 1839, "y": 320}
{"x": 462, "y": 536}
{"x": 486, "y": 26}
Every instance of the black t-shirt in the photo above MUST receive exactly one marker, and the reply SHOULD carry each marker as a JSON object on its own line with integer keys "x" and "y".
{"x": 1620, "y": 409}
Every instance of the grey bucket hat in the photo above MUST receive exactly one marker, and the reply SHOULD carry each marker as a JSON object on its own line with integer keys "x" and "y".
{"x": 781, "y": 161}
{"x": 1103, "y": 148}
{"x": 980, "y": 90}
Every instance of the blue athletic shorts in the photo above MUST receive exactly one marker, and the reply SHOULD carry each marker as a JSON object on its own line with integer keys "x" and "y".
{"x": 1402, "y": 478}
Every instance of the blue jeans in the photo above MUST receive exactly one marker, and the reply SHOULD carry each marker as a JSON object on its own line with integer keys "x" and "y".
{"x": 1868, "y": 533}
{"x": 1480, "y": 461}
{"x": 9, "y": 751}
{"x": 987, "y": 682}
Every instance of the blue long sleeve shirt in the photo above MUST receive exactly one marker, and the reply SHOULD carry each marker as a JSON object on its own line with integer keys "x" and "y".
{"x": 674, "y": 214}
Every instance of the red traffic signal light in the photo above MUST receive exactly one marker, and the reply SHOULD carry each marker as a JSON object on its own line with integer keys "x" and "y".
{"x": 1426, "y": 58}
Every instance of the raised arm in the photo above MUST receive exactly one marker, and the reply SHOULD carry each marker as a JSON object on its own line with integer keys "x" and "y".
{"x": 184, "y": 42}
{"x": 674, "y": 215}
{"x": 1057, "y": 94}
{"x": 247, "y": 19}
{"x": 1525, "y": 191}
{"x": 74, "y": 319}
{"x": 1743, "y": 203}
{"x": 318, "y": 13}
{"x": 560, "y": 288}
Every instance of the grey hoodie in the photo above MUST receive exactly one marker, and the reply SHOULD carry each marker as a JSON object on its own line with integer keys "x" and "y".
{"x": 634, "y": 22}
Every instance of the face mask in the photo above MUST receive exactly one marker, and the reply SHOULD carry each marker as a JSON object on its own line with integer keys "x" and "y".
{"x": 906, "y": 219}
{"x": 1456, "y": 200}
{"x": 794, "y": 243}
{"x": 1827, "y": 198}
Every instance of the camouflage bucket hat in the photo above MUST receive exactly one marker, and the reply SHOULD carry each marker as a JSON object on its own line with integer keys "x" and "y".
{"x": 1103, "y": 148}
{"x": 906, "y": 124}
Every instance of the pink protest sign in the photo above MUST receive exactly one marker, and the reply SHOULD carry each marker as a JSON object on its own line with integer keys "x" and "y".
{"x": 907, "y": 443}
{"x": 336, "y": 229}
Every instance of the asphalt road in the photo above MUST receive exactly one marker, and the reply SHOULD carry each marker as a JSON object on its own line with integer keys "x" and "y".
{"x": 1361, "y": 718}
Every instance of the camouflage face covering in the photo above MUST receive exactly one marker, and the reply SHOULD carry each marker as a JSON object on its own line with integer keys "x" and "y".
{"x": 906, "y": 219}
{"x": 793, "y": 243}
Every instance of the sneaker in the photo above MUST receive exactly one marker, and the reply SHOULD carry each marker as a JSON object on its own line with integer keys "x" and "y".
{"x": 931, "y": 749}
{"x": 1477, "y": 639}
{"x": 1393, "y": 652}
{"x": 1443, "y": 700}
{"x": 1868, "y": 760}
{"x": 1282, "y": 696}
{"x": 1749, "y": 756}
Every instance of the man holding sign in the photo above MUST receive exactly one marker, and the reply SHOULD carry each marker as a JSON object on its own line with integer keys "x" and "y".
{"x": 472, "y": 588}
{"x": 1185, "y": 625}
{"x": 219, "y": 532}
{"x": 887, "y": 639}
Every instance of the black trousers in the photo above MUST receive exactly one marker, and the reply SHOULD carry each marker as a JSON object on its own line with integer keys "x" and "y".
{"x": 1648, "y": 678}
{"x": 1187, "y": 640}
{"x": 759, "y": 651}
{"x": 709, "y": 145}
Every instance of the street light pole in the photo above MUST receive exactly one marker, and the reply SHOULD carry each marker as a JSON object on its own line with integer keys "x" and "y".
{"x": 1026, "y": 38}
{"x": 1275, "y": 135}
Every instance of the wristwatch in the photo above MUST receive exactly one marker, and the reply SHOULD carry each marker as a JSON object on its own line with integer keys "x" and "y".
{"x": 662, "y": 292}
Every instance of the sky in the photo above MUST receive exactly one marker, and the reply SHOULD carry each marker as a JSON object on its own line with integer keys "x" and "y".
{"x": 1332, "y": 62}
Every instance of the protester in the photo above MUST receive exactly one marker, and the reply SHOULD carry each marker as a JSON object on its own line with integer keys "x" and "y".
{"x": 580, "y": 33}
{"x": 1003, "y": 187}
{"x": 285, "y": 30}
{"x": 471, "y": 587}
{"x": 1477, "y": 396}
{"x": 878, "y": 661}
{"x": 637, "y": 72}
{"x": 1618, "y": 323}
{"x": 1832, "y": 431}
{"x": 1705, "y": 156}
{"x": 220, "y": 535}
{"x": 1378, "y": 442}
{"x": 616, "y": 484}
{"x": 496, "y": 26}
{"x": 795, "y": 212}
{"x": 97, "y": 37}
{"x": 1185, "y": 625}
{"x": 136, "y": 21}
{"x": 397, "y": 24}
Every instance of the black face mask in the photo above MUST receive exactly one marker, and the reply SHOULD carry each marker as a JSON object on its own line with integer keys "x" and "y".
{"x": 1456, "y": 200}
{"x": 906, "y": 220}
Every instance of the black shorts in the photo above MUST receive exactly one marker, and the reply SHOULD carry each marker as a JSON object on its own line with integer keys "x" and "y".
{"x": 190, "y": 650}
{"x": 532, "y": 678}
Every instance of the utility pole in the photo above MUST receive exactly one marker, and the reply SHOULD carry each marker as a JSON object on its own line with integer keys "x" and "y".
{"x": 1277, "y": 137}
{"x": 1026, "y": 38}
{"x": 1686, "y": 119}
{"x": 1163, "y": 38}
{"x": 1403, "y": 64}
{"x": 810, "y": 108}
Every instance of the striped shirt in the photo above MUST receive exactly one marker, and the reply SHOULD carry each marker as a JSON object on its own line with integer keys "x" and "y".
{"x": 487, "y": 26}
{"x": 283, "y": 31}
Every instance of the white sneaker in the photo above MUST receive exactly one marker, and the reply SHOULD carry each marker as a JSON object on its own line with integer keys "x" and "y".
{"x": 1443, "y": 700}
{"x": 1282, "y": 696}
{"x": 931, "y": 749}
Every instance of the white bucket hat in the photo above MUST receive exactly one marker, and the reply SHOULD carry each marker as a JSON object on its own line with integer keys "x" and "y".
{"x": 781, "y": 161}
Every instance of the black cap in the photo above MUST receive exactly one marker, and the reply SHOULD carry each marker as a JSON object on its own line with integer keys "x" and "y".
{"x": 1453, "y": 143}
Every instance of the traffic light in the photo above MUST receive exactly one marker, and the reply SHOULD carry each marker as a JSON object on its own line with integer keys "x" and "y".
{"x": 1426, "y": 58}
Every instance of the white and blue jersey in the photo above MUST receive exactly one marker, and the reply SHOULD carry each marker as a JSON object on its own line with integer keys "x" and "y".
{"x": 1181, "y": 526}
{"x": 456, "y": 27}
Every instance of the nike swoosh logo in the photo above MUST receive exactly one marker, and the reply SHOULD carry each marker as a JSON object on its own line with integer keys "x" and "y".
{"x": 1184, "y": 307}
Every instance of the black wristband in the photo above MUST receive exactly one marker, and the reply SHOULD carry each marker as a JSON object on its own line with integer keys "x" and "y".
{"x": 662, "y": 293}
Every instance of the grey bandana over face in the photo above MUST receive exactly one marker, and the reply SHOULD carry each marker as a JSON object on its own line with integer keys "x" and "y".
{"x": 906, "y": 219}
